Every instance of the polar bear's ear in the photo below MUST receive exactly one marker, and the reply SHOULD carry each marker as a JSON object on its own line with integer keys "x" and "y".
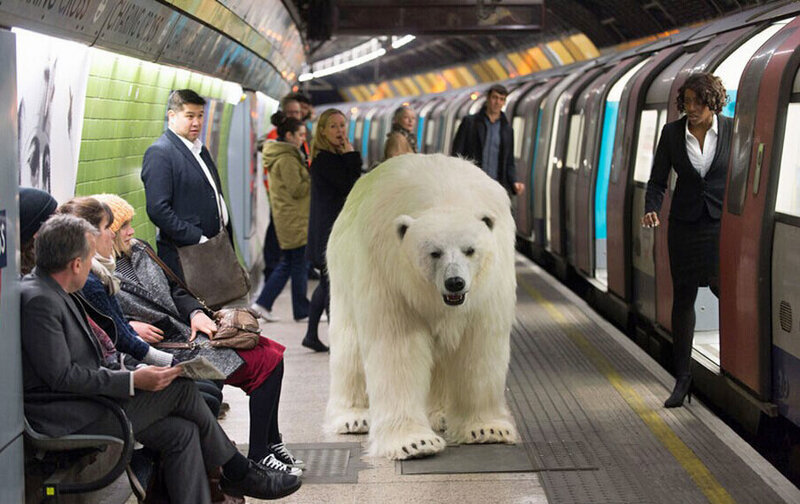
{"x": 489, "y": 221}
{"x": 401, "y": 225}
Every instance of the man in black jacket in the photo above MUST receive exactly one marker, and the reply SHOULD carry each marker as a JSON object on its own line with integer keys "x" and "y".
{"x": 181, "y": 183}
{"x": 487, "y": 139}
{"x": 63, "y": 351}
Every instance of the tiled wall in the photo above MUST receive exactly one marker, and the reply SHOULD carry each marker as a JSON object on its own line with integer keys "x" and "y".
{"x": 125, "y": 110}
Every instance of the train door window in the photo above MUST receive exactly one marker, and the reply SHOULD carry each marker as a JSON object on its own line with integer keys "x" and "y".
{"x": 430, "y": 130}
{"x": 744, "y": 122}
{"x": 518, "y": 125}
{"x": 731, "y": 68}
{"x": 788, "y": 200}
{"x": 553, "y": 161}
{"x": 575, "y": 138}
{"x": 359, "y": 128}
{"x": 646, "y": 145}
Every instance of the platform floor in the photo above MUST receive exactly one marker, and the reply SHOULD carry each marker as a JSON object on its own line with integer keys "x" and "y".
{"x": 588, "y": 404}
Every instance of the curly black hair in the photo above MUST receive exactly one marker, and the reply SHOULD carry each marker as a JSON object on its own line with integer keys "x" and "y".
{"x": 708, "y": 87}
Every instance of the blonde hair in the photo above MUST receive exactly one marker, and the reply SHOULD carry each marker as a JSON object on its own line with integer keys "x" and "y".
{"x": 320, "y": 143}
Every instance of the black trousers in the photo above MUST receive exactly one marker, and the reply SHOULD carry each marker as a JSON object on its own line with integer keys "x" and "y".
{"x": 694, "y": 262}
{"x": 320, "y": 301}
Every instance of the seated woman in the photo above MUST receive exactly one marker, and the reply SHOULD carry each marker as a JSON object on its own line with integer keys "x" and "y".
{"x": 148, "y": 296}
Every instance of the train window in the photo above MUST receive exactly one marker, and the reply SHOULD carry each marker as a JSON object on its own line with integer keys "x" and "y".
{"x": 359, "y": 128}
{"x": 744, "y": 122}
{"x": 518, "y": 124}
{"x": 373, "y": 132}
{"x": 731, "y": 68}
{"x": 788, "y": 200}
{"x": 646, "y": 145}
{"x": 575, "y": 137}
{"x": 430, "y": 130}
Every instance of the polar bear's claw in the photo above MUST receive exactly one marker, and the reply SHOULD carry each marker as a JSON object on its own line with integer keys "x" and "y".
{"x": 411, "y": 447}
{"x": 493, "y": 432}
{"x": 350, "y": 422}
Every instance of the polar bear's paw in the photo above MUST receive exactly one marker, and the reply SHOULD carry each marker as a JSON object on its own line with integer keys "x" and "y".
{"x": 415, "y": 445}
{"x": 354, "y": 421}
{"x": 498, "y": 431}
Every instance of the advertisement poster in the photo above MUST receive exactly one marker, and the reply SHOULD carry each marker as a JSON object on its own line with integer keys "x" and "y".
{"x": 51, "y": 93}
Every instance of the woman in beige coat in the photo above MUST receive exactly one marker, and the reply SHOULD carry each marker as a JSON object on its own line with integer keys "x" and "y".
{"x": 289, "y": 195}
{"x": 401, "y": 139}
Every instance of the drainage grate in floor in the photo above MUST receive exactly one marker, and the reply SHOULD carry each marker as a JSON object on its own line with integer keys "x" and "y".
{"x": 456, "y": 459}
{"x": 326, "y": 463}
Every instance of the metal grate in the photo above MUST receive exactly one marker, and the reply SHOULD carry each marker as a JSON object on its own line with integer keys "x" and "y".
{"x": 326, "y": 463}
{"x": 785, "y": 316}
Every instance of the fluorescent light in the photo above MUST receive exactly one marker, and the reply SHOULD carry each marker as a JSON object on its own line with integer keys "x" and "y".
{"x": 343, "y": 66}
{"x": 405, "y": 39}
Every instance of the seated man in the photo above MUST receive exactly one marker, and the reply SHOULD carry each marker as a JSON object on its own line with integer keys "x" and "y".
{"x": 62, "y": 354}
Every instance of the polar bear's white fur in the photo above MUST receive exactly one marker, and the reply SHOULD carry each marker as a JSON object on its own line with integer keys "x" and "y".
{"x": 406, "y": 358}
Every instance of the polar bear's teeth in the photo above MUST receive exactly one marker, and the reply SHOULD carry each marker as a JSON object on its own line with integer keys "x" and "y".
{"x": 453, "y": 299}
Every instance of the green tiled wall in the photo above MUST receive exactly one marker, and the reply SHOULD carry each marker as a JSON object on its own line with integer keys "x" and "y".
{"x": 125, "y": 108}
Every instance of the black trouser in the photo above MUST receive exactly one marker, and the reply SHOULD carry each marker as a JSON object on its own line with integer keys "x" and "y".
{"x": 320, "y": 301}
{"x": 264, "y": 402}
{"x": 694, "y": 262}
{"x": 271, "y": 251}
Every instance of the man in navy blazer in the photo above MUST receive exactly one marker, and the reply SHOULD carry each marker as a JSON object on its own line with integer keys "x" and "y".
{"x": 181, "y": 183}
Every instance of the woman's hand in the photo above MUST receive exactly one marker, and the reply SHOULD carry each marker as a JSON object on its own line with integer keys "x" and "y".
{"x": 650, "y": 220}
{"x": 150, "y": 333}
{"x": 200, "y": 322}
{"x": 346, "y": 146}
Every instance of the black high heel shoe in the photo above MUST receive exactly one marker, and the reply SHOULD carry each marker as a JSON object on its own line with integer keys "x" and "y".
{"x": 683, "y": 389}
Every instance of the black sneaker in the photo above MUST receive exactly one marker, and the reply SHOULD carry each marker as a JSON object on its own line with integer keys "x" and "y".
{"x": 284, "y": 455}
{"x": 261, "y": 483}
{"x": 271, "y": 462}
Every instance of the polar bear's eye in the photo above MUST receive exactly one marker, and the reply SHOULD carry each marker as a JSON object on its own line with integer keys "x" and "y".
{"x": 469, "y": 251}
{"x": 436, "y": 254}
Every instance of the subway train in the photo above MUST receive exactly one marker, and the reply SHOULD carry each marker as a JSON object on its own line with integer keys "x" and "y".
{"x": 584, "y": 141}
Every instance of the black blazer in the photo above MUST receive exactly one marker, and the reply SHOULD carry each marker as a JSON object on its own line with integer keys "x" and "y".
{"x": 60, "y": 354}
{"x": 692, "y": 192}
{"x": 332, "y": 177}
{"x": 179, "y": 199}
{"x": 471, "y": 136}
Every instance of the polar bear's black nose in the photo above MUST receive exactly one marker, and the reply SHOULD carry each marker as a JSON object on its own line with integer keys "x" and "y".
{"x": 454, "y": 284}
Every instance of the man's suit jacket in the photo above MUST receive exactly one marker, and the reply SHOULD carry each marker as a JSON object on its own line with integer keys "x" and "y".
{"x": 61, "y": 354}
{"x": 471, "y": 136}
{"x": 180, "y": 200}
{"x": 692, "y": 192}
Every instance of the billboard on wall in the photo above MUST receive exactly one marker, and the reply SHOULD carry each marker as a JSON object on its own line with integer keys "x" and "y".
{"x": 51, "y": 94}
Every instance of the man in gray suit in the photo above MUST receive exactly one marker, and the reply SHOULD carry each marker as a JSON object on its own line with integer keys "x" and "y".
{"x": 62, "y": 354}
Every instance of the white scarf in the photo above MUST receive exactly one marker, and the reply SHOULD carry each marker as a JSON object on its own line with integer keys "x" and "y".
{"x": 104, "y": 268}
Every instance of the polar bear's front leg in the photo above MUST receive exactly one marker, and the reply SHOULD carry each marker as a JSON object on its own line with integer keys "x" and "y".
{"x": 477, "y": 411}
{"x": 348, "y": 405}
{"x": 398, "y": 372}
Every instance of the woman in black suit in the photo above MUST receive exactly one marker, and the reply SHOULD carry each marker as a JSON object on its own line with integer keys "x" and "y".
{"x": 697, "y": 147}
{"x": 335, "y": 167}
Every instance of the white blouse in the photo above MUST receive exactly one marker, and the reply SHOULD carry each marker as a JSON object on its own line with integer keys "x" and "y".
{"x": 701, "y": 159}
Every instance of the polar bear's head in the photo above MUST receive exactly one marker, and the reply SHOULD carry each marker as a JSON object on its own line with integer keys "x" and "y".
{"x": 448, "y": 248}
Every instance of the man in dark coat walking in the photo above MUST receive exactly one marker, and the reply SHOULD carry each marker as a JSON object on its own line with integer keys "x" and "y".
{"x": 487, "y": 139}
{"x": 181, "y": 183}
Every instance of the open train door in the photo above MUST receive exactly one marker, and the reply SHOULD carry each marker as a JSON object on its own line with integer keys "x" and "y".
{"x": 749, "y": 219}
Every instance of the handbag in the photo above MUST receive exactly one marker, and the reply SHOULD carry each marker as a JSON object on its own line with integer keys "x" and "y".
{"x": 236, "y": 328}
{"x": 212, "y": 270}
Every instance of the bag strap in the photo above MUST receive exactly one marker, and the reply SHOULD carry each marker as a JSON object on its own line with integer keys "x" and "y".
{"x": 175, "y": 278}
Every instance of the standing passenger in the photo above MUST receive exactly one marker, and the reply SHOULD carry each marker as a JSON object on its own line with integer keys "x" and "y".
{"x": 401, "y": 139}
{"x": 289, "y": 199}
{"x": 697, "y": 147}
{"x": 335, "y": 168}
{"x": 486, "y": 138}
{"x": 181, "y": 183}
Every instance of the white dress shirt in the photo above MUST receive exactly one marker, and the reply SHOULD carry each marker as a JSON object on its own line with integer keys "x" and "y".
{"x": 195, "y": 148}
{"x": 701, "y": 159}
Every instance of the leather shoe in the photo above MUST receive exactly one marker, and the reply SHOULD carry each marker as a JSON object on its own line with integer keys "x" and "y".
{"x": 314, "y": 344}
{"x": 261, "y": 483}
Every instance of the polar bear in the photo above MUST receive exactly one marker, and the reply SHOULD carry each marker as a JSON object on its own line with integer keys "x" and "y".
{"x": 423, "y": 291}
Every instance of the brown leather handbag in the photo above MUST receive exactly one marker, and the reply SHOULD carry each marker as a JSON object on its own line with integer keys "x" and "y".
{"x": 213, "y": 272}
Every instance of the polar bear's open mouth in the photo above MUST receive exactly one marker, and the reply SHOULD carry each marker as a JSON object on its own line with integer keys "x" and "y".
{"x": 454, "y": 299}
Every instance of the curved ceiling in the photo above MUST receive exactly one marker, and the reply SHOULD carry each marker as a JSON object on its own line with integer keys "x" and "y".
{"x": 605, "y": 22}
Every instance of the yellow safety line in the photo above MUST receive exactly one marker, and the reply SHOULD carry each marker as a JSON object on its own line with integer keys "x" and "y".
{"x": 702, "y": 477}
